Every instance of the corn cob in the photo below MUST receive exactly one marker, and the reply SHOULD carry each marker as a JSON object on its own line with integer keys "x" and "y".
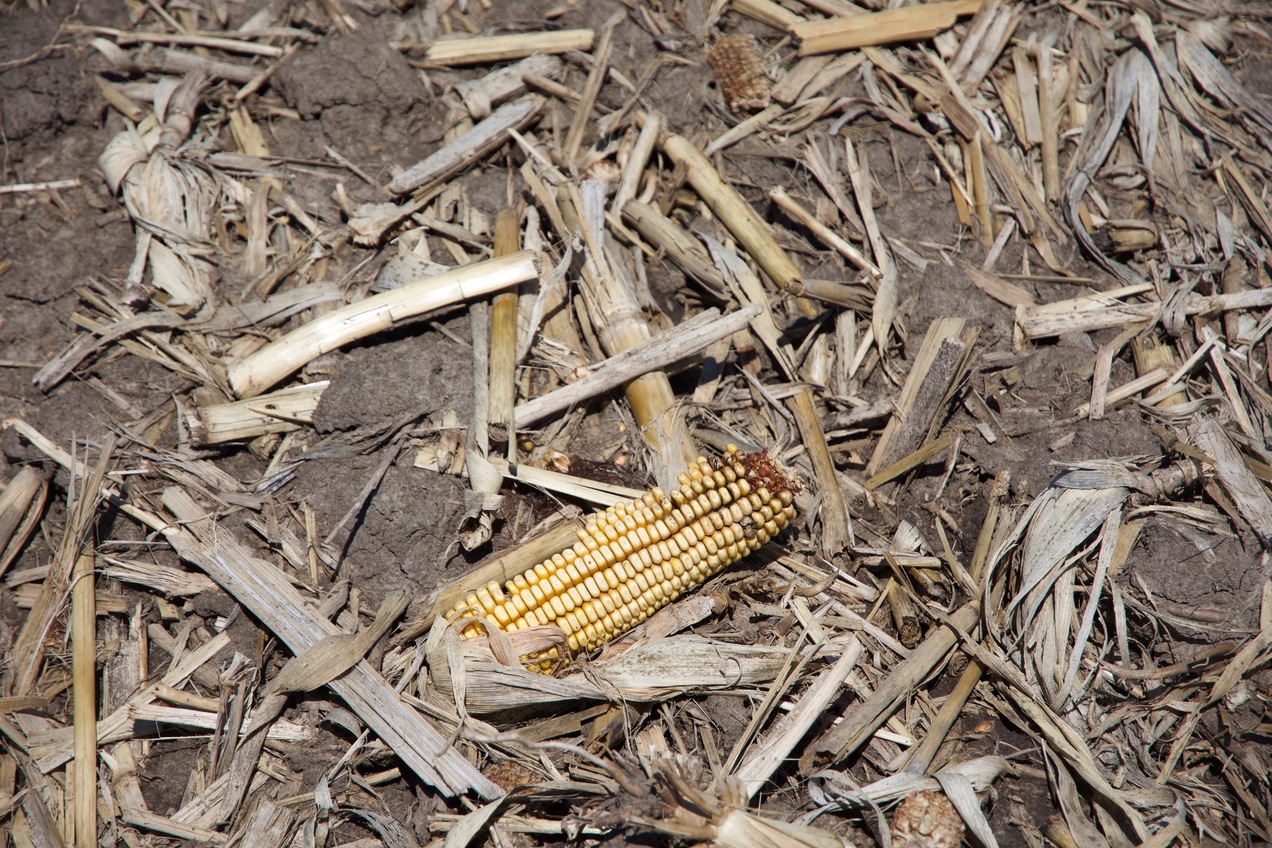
{"x": 637, "y": 556}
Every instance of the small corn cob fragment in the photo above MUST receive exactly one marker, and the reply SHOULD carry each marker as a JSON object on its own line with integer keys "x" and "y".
{"x": 740, "y": 74}
{"x": 637, "y": 556}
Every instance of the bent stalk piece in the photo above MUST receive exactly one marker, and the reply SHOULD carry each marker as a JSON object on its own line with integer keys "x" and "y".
{"x": 635, "y": 558}
{"x": 267, "y": 367}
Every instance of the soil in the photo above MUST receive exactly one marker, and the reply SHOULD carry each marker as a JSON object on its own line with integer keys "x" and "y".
{"x": 355, "y": 94}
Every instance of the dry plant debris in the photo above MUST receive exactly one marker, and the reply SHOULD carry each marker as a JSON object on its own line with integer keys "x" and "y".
{"x": 990, "y": 278}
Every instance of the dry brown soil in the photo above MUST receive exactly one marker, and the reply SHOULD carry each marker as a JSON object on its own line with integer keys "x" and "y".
{"x": 355, "y": 94}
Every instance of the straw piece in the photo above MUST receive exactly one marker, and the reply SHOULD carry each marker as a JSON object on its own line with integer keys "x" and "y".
{"x": 503, "y": 338}
{"x": 910, "y": 462}
{"x": 469, "y": 147}
{"x": 487, "y": 50}
{"x": 938, "y": 369}
{"x": 579, "y": 488}
{"x": 591, "y": 88}
{"x": 1104, "y": 310}
{"x": 860, "y": 721}
{"x": 276, "y": 412}
{"x": 84, "y": 708}
{"x": 767, "y": 12}
{"x": 482, "y": 95}
{"x": 684, "y": 340}
{"x": 828, "y": 236}
{"x": 59, "y": 747}
{"x": 767, "y": 756}
{"x": 620, "y": 322}
{"x": 911, "y": 23}
{"x": 1249, "y": 495}
{"x": 668, "y": 237}
{"x": 787, "y": 90}
{"x": 273, "y": 363}
{"x": 21, "y": 505}
{"x": 987, "y": 35}
{"x": 747, "y": 227}
{"x": 264, "y": 591}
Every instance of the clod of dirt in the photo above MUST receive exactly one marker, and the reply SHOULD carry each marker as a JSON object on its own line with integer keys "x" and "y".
{"x": 420, "y": 372}
{"x": 404, "y": 534}
{"x": 354, "y": 91}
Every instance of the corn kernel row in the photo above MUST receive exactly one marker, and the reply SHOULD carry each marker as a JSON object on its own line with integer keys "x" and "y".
{"x": 637, "y": 556}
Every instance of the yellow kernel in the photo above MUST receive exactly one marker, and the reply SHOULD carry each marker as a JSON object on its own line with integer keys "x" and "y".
{"x": 573, "y": 642}
{"x": 570, "y": 574}
{"x": 713, "y": 497}
{"x": 518, "y": 583}
{"x": 643, "y": 557}
{"x": 590, "y": 612}
{"x": 571, "y": 622}
{"x": 590, "y": 544}
{"x": 609, "y": 602}
{"x": 625, "y": 593}
{"x": 503, "y": 616}
{"x": 558, "y": 606}
{"x": 730, "y": 475}
{"x": 589, "y": 588}
{"x": 572, "y": 597}
{"x": 661, "y": 530}
{"x": 521, "y": 603}
{"x": 537, "y": 592}
{"x": 624, "y": 545}
{"x": 745, "y": 485}
{"x": 543, "y": 571}
{"x": 640, "y": 538}
{"x": 642, "y": 582}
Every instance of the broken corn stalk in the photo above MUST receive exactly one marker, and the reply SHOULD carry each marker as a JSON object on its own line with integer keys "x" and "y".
{"x": 636, "y": 557}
